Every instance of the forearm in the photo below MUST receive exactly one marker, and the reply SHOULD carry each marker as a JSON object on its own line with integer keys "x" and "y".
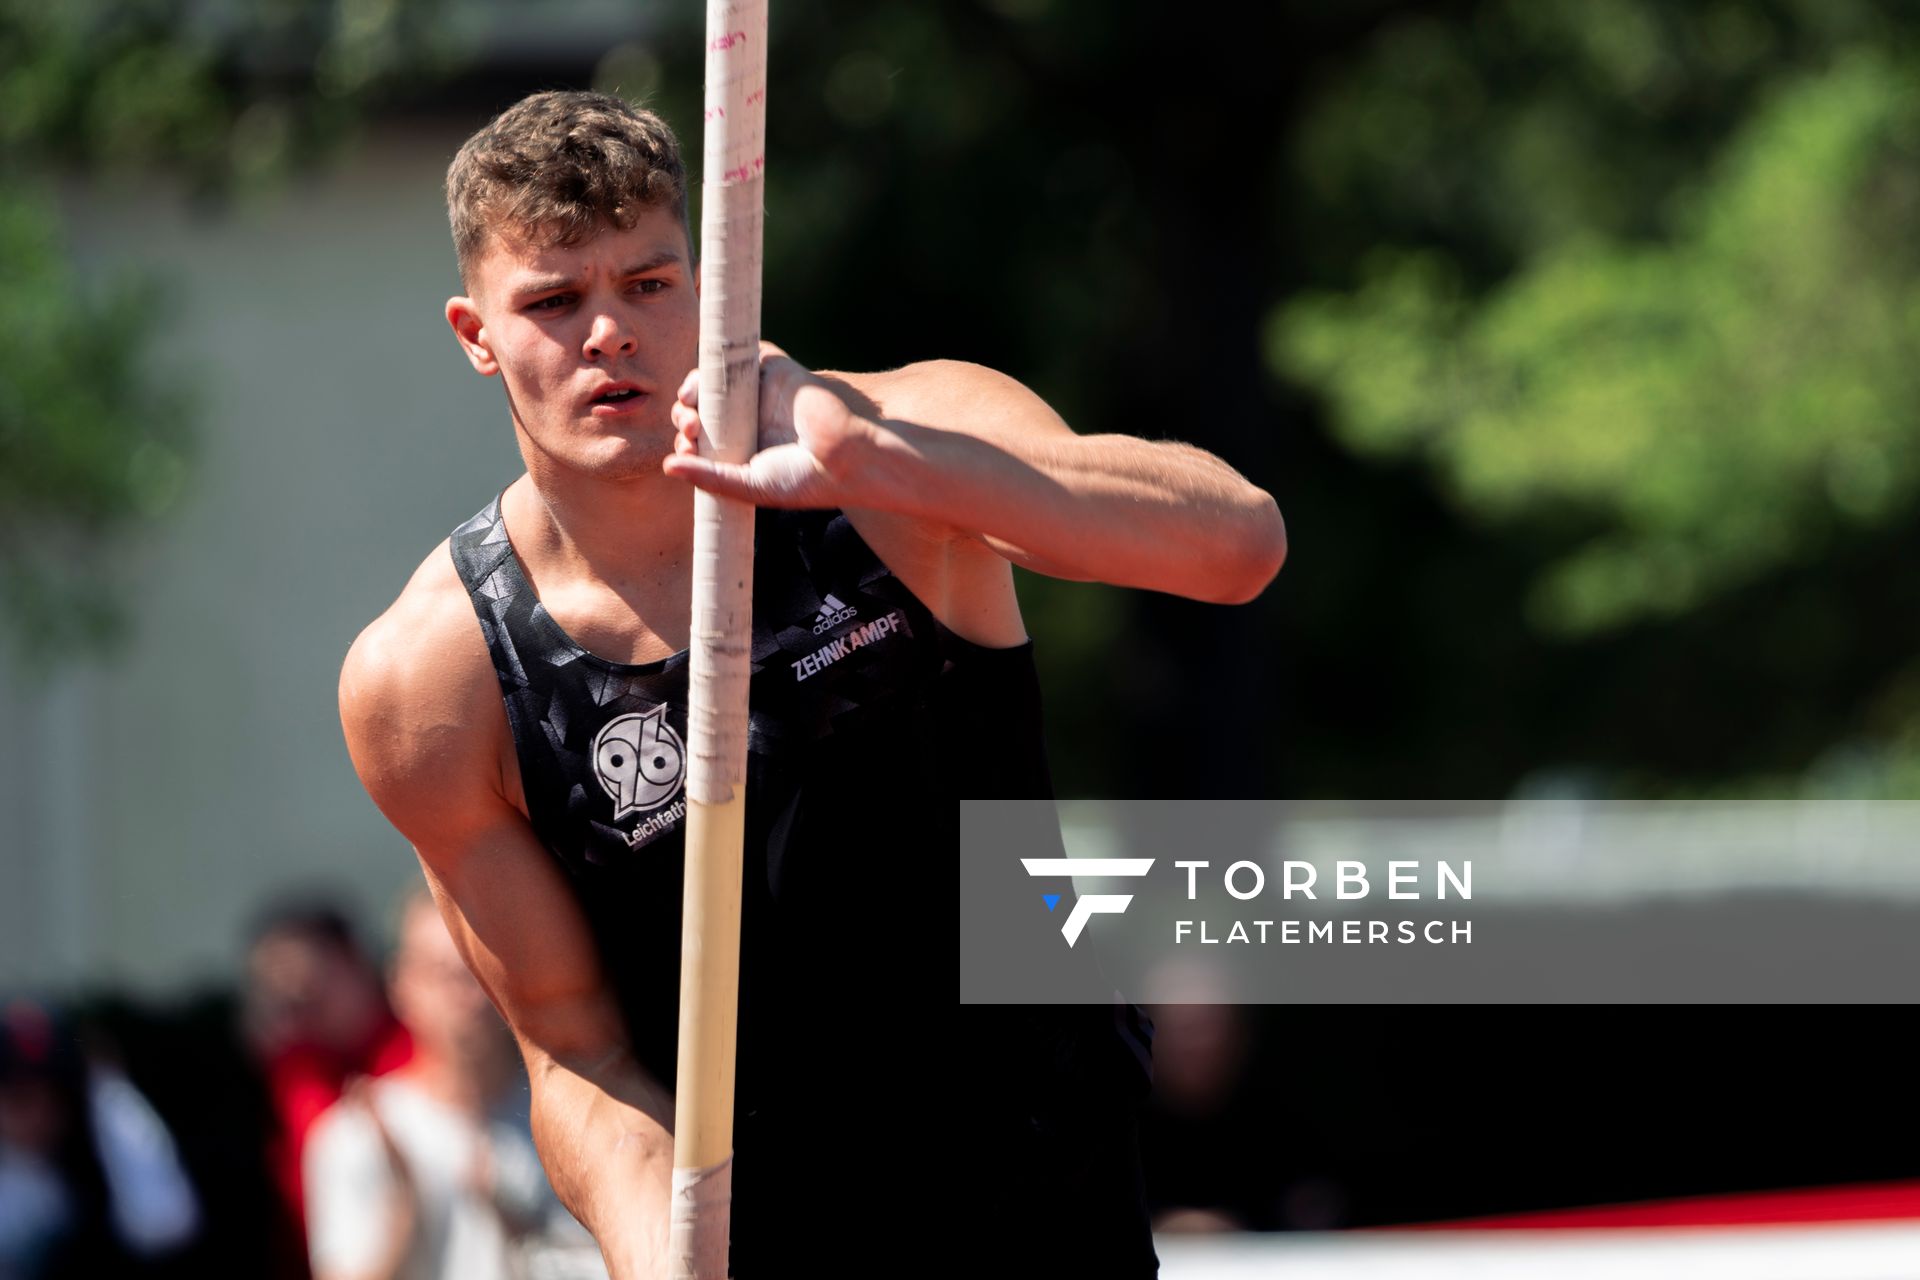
{"x": 956, "y": 447}
{"x": 603, "y": 1136}
{"x": 1135, "y": 513}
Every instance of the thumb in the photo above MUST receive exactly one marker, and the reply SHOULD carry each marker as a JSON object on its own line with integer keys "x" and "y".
{"x": 728, "y": 479}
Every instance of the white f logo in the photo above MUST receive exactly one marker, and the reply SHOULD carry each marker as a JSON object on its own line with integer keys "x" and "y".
{"x": 1091, "y": 903}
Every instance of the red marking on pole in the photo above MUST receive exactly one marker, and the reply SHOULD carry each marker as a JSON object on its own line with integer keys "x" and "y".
{"x": 758, "y": 95}
{"x": 712, "y": 112}
{"x": 722, "y": 43}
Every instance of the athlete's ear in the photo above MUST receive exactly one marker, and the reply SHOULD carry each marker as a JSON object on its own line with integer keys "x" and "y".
{"x": 464, "y": 318}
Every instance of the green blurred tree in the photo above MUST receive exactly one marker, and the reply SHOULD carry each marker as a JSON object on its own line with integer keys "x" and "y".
{"x": 1636, "y": 285}
{"x": 225, "y": 98}
{"x": 1715, "y": 402}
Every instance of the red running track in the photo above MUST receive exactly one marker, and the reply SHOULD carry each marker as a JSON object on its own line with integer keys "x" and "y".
{"x": 1866, "y": 1202}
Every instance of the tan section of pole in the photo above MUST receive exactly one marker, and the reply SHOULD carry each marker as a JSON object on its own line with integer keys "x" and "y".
{"x": 709, "y": 987}
{"x": 703, "y": 1136}
{"x": 732, "y": 195}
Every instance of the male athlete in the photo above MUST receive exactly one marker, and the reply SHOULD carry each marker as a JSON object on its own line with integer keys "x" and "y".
{"x": 519, "y": 714}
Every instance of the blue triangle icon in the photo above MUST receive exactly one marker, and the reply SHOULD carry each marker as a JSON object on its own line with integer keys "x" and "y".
{"x": 1052, "y": 900}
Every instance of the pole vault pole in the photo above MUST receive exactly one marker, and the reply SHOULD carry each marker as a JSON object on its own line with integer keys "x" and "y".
{"x": 731, "y": 202}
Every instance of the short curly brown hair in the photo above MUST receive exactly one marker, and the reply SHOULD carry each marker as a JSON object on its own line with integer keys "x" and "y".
{"x": 559, "y": 167}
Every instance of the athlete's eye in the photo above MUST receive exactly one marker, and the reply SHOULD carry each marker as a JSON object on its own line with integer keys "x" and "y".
{"x": 552, "y": 302}
{"x": 650, "y": 286}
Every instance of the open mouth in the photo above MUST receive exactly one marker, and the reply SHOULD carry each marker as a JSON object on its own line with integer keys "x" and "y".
{"x": 617, "y": 399}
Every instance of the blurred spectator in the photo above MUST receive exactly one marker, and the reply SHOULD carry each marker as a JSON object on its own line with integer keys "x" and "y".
{"x": 1222, "y": 1150}
{"x": 316, "y": 1016}
{"x": 1199, "y": 1060}
{"x": 430, "y": 1171}
{"x": 90, "y": 1181}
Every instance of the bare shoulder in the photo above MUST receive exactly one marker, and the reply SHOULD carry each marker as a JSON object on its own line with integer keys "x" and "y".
{"x": 427, "y": 730}
{"x": 420, "y": 703}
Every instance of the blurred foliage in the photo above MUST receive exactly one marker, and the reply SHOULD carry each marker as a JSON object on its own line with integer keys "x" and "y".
{"x": 88, "y": 443}
{"x": 1711, "y": 404}
{"x": 1635, "y": 285}
{"x": 219, "y": 92}
{"x": 226, "y": 98}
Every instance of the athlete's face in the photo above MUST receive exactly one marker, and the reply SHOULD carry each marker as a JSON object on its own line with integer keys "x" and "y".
{"x": 592, "y": 341}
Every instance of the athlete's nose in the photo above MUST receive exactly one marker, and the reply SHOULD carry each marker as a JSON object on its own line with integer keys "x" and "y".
{"x": 610, "y": 335}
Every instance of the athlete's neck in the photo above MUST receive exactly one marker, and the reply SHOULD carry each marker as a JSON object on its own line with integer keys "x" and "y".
{"x": 611, "y": 561}
{"x": 611, "y": 530}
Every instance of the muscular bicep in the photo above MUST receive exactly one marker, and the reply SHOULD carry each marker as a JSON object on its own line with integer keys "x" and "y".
{"x": 967, "y": 399}
{"x": 525, "y": 937}
{"x": 425, "y": 728}
{"x": 428, "y": 735}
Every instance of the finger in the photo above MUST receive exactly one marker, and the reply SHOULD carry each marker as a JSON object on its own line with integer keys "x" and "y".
{"x": 689, "y": 393}
{"x": 768, "y": 351}
{"x": 729, "y": 480}
{"x": 686, "y": 420}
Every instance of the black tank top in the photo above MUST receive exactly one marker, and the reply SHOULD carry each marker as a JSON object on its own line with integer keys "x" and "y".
{"x": 868, "y": 722}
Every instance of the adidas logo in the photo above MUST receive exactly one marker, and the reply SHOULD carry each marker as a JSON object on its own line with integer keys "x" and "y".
{"x": 832, "y": 614}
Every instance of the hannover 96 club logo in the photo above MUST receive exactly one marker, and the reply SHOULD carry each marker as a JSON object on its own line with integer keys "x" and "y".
{"x": 640, "y": 761}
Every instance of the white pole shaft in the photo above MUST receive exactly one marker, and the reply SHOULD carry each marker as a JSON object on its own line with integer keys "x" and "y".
{"x": 732, "y": 199}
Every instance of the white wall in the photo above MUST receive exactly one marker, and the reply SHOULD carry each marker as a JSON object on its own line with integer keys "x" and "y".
{"x": 147, "y": 804}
